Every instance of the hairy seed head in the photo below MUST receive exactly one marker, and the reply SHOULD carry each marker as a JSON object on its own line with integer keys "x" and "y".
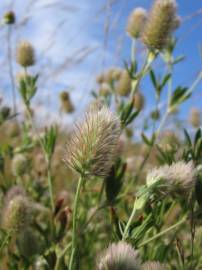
{"x": 124, "y": 84}
{"x": 104, "y": 90}
{"x": 29, "y": 242}
{"x": 109, "y": 76}
{"x": 20, "y": 165}
{"x": 93, "y": 145}
{"x": 178, "y": 178}
{"x": 138, "y": 101}
{"x": 9, "y": 17}
{"x": 13, "y": 192}
{"x": 66, "y": 103}
{"x": 195, "y": 118}
{"x": 153, "y": 266}
{"x": 25, "y": 55}
{"x": 64, "y": 95}
{"x": 160, "y": 24}
{"x": 16, "y": 213}
{"x": 119, "y": 256}
{"x": 136, "y": 22}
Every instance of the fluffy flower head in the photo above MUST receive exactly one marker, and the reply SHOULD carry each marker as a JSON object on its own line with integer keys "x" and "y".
{"x": 153, "y": 266}
{"x": 179, "y": 176}
{"x": 160, "y": 24}
{"x": 119, "y": 256}
{"x": 25, "y": 55}
{"x": 136, "y": 22}
{"x": 16, "y": 213}
{"x": 93, "y": 145}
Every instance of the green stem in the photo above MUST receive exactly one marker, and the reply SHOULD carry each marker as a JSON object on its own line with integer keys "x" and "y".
{"x": 92, "y": 216}
{"x": 50, "y": 187}
{"x": 59, "y": 257}
{"x": 76, "y": 201}
{"x": 48, "y": 161}
{"x": 146, "y": 66}
{"x": 163, "y": 232}
{"x": 133, "y": 50}
{"x": 10, "y": 68}
{"x": 195, "y": 83}
{"x": 5, "y": 241}
{"x": 125, "y": 233}
{"x": 161, "y": 125}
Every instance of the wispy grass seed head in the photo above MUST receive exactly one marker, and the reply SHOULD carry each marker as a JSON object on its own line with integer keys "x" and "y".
{"x": 178, "y": 178}
{"x": 160, "y": 24}
{"x": 93, "y": 145}
{"x": 119, "y": 256}
{"x": 25, "y": 55}
{"x": 136, "y": 22}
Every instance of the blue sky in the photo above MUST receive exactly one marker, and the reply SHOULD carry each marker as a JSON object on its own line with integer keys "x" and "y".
{"x": 72, "y": 46}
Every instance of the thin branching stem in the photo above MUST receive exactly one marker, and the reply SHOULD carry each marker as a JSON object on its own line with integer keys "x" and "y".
{"x": 74, "y": 229}
{"x": 10, "y": 68}
{"x": 183, "y": 220}
{"x": 125, "y": 233}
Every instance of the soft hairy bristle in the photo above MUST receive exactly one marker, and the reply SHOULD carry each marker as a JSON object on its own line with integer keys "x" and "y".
{"x": 160, "y": 24}
{"x": 93, "y": 144}
{"x": 119, "y": 256}
{"x": 153, "y": 266}
{"x": 25, "y": 55}
{"x": 179, "y": 176}
{"x": 136, "y": 22}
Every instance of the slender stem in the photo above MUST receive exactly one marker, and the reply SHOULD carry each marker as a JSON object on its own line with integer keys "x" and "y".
{"x": 10, "y": 67}
{"x": 76, "y": 201}
{"x": 59, "y": 257}
{"x": 101, "y": 191}
{"x": 163, "y": 232}
{"x": 169, "y": 96}
{"x": 48, "y": 162}
{"x": 195, "y": 83}
{"x": 133, "y": 50}
{"x": 146, "y": 66}
{"x": 50, "y": 187}
{"x": 92, "y": 216}
{"x": 5, "y": 241}
{"x": 161, "y": 125}
{"x": 125, "y": 233}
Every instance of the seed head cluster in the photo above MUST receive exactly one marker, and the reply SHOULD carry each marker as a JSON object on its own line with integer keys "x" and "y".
{"x": 93, "y": 145}
{"x": 16, "y": 213}
{"x": 195, "y": 118}
{"x": 136, "y": 22}
{"x": 178, "y": 177}
{"x": 124, "y": 84}
{"x": 25, "y": 55}
{"x": 9, "y": 17}
{"x": 160, "y": 24}
{"x": 20, "y": 164}
{"x": 138, "y": 101}
{"x": 66, "y": 103}
{"x": 119, "y": 256}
